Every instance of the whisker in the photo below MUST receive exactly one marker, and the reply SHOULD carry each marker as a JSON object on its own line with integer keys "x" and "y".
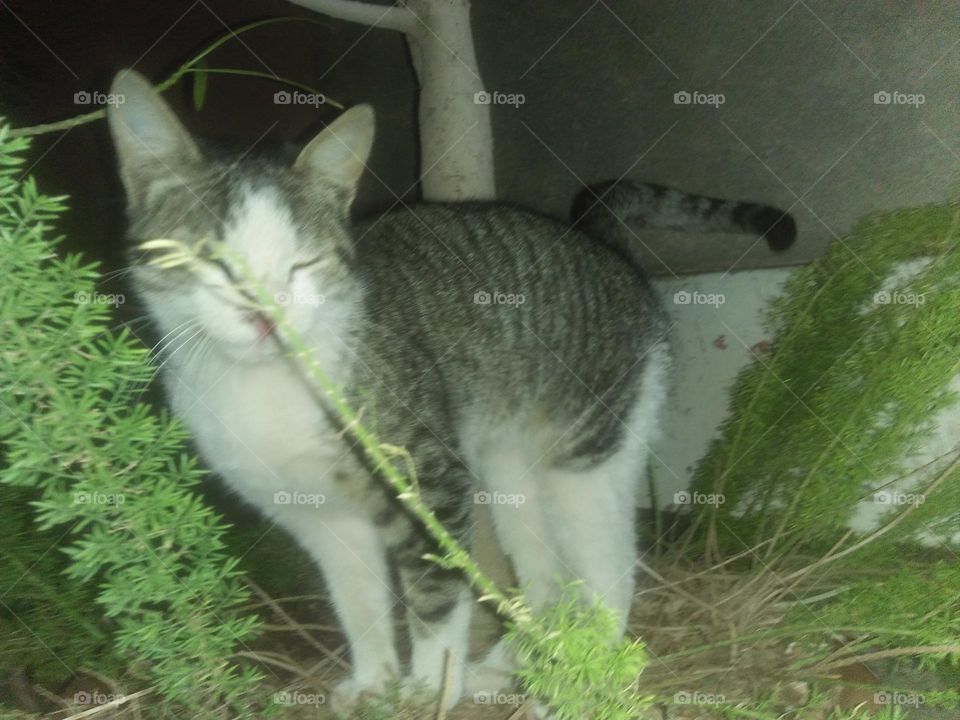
{"x": 162, "y": 344}
{"x": 179, "y": 347}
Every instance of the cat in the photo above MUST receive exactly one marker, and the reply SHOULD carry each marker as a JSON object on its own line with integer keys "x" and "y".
{"x": 521, "y": 361}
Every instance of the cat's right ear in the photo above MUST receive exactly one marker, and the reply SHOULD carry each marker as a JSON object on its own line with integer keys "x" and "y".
{"x": 150, "y": 141}
{"x": 339, "y": 154}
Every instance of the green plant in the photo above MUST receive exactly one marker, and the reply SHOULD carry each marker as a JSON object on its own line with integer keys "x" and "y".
{"x": 107, "y": 471}
{"x": 865, "y": 353}
{"x": 851, "y": 389}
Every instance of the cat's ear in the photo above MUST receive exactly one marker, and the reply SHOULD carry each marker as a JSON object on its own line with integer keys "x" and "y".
{"x": 338, "y": 155}
{"x": 150, "y": 141}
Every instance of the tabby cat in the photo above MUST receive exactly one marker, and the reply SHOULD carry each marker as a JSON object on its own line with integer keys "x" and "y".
{"x": 520, "y": 360}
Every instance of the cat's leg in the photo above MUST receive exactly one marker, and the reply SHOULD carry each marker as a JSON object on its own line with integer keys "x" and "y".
{"x": 524, "y": 533}
{"x": 352, "y": 556}
{"x": 438, "y": 600}
{"x": 574, "y": 521}
{"x": 439, "y": 604}
{"x": 593, "y": 505}
{"x": 594, "y": 512}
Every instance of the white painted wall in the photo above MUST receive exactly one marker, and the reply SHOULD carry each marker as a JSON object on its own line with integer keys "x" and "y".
{"x": 717, "y": 322}
{"x": 712, "y": 336}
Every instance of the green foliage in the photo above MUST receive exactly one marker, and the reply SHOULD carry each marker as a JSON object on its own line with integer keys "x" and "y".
{"x": 850, "y": 390}
{"x": 567, "y": 656}
{"x": 107, "y": 471}
{"x": 915, "y": 604}
{"x": 41, "y": 608}
{"x": 866, "y": 346}
{"x": 200, "y": 77}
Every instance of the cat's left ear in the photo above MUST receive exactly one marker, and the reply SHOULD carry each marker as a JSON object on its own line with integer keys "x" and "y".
{"x": 150, "y": 141}
{"x": 338, "y": 155}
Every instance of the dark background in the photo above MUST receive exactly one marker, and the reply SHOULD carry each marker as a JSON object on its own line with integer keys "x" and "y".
{"x": 798, "y": 128}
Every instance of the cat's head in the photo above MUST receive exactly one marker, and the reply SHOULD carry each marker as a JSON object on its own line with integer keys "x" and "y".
{"x": 288, "y": 223}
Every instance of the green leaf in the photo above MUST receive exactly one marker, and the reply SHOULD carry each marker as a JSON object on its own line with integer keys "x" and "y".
{"x": 199, "y": 85}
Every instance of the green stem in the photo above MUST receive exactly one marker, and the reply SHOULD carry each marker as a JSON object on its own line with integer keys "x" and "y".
{"x": 268, "y": 76}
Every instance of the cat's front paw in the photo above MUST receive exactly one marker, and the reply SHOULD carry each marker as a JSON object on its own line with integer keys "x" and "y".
{"x": 351, "y": 692}
{"x": 435, "y": 688}
{"x": 493, "y": 681}
{"x": 494, "y": 673}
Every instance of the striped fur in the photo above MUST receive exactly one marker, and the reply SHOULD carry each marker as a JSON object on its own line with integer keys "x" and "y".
{"x": 613, "y": 210}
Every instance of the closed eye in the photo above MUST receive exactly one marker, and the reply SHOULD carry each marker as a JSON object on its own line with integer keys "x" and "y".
{"x": 227, "y": 270}
{"x": 308, "y": 264}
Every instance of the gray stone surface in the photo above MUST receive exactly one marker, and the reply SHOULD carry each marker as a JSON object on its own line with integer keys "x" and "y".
{"x": 798, "y": 127}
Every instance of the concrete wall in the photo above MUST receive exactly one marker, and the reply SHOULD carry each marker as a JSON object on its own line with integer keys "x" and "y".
{"x": 717, "y": 327}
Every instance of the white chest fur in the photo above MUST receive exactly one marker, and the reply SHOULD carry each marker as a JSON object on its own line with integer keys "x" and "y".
{"x": 260, "y": 427}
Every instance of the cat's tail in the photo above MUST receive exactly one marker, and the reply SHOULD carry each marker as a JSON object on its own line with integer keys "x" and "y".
{"x": 607, "y": 210}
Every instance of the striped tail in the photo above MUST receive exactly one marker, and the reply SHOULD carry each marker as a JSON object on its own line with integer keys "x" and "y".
{"x": 602, "y": 211}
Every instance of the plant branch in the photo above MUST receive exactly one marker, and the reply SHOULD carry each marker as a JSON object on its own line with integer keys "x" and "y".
{"x": 386, "y": 17}
{"x": 938, "y": 481}
{"x": 187, "y": 67}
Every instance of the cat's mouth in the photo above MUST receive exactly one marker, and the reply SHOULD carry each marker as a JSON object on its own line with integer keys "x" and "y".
{"x": 263, "y": 325}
